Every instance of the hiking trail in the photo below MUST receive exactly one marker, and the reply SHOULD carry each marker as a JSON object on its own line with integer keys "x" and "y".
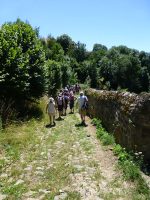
{"x": 63, "y": 162}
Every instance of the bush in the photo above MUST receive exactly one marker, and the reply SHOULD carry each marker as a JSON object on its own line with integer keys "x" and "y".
{"x": 22, "y": 60}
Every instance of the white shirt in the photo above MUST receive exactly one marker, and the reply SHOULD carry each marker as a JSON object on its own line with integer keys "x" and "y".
{"x": 81, "y": 100}
{"x": 51, "y": 107}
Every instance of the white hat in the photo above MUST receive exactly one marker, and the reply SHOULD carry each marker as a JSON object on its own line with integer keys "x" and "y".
{"x": 51, "y": 99}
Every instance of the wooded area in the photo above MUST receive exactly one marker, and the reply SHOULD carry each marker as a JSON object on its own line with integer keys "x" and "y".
{"x": 31, "y": 66}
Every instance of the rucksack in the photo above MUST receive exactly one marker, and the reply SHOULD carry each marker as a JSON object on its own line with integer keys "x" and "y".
{"x": 66, "y": 98}
{"x": 85, "y": 105}
{"x": 72, "y": 98}
{"x": 60, "y": 101}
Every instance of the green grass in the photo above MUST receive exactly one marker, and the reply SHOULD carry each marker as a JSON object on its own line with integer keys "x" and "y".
{"x": 18, "y": 140}
{"x": 102, "y": 134}
{"x": 126, "y": 162}
{"x": 14, "y": 191}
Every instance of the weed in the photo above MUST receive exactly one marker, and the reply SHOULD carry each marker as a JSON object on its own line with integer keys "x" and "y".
{"x": 121, "y": 153}
{"x": 130, "y": 170}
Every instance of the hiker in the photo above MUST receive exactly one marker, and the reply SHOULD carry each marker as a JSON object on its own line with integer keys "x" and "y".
{"x": 72, "y": 99}
{"x": 82, "y": 102}
{"x": 66, "y": 100}
{"x": 60, "y": 104}
{"x": 50, "y": 109}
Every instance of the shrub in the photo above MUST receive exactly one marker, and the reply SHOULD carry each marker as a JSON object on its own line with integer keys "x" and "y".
{"x": 22, "y": 60}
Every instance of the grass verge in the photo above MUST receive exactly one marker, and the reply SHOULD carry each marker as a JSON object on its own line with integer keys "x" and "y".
{"x": 128, "y": 163}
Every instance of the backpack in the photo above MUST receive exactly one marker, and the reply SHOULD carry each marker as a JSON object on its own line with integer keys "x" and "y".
{"x": 60, "y": 101}
{"x": 72, "y": 98}
{"x": 66, "y": 98}
{"x": 85, "y": 105}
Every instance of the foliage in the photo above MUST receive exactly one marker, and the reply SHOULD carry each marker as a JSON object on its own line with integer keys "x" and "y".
{"x": 73, "y": 79}
{"x": 106, "y": 139}
{"x": 120, "y": 152}
{"x": 22, "y": 59}
{"x": 53, "y": 77}
{"x": 53, "y": 50}
{"x": 93, "y": 75}
{"x": 117, "y": 68}
{"x": 79, "y": 52}
{"x": 66, "y": 42}
{"x": 83, "y": 71}
{"x": 66, "y": 72}
{"x": 30, "y": 65}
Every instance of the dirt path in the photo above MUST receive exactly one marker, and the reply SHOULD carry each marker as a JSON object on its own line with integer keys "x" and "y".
{"x": 64, "y": 162}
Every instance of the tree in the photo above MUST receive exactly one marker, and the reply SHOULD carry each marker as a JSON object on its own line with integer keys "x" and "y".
{"x": 123, "y": 50}
{"x": 53, "y": 76}
{"x": 107, "y": 71}
{"x": 22, "y": 60}
{"x": 97, "y": 47}
{"x": 80, "y": 53}
{"x": 83, "y": 71}
{"x": 66, "y": 42}
{"x": 144, "y": 79}
{"x": 128, "y": 73}
{"x": 53, "y": 49}
{"x": 99, "y": 51}
{"x": 93, "y": 75}
{"x": 65, "y": 70}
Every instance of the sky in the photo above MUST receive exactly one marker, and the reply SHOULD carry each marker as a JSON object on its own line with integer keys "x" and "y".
{"x": 106, "y": 22}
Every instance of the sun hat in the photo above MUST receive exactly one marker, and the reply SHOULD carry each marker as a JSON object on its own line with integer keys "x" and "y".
{"x": 81, "y": 92}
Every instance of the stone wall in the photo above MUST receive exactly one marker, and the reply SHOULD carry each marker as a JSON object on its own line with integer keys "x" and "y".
{"x": 126, "y": 115}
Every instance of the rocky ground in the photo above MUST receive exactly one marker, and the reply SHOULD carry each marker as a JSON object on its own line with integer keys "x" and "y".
{"x": 63, "y": 162}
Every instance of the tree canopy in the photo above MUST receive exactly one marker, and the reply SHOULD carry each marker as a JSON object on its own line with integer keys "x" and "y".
{"x": 21, "y": 61}
{"x": 31, "y": 66}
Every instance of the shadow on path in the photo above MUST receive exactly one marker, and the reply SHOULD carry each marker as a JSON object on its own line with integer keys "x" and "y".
{"x": 59, "y": 119}
{"x": 49, "y": 125}
{"x": 81, "y": 125}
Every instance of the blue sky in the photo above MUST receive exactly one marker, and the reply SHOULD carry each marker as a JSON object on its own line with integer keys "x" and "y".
{"x": 107, "y": 22}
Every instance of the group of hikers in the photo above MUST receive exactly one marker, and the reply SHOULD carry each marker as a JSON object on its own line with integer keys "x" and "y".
{"x": 66, "y": 97}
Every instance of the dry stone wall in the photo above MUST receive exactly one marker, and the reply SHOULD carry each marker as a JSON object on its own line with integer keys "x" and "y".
{"x": 124, "y": 114}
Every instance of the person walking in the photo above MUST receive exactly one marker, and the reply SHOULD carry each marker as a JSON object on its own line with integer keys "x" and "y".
{"x": 82, "y": 102}
{"x": 66, "y": 100}
{"x": 60, "y": 105}
{"x": 50, "y": 109}
{"x": 72, "y": 99}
